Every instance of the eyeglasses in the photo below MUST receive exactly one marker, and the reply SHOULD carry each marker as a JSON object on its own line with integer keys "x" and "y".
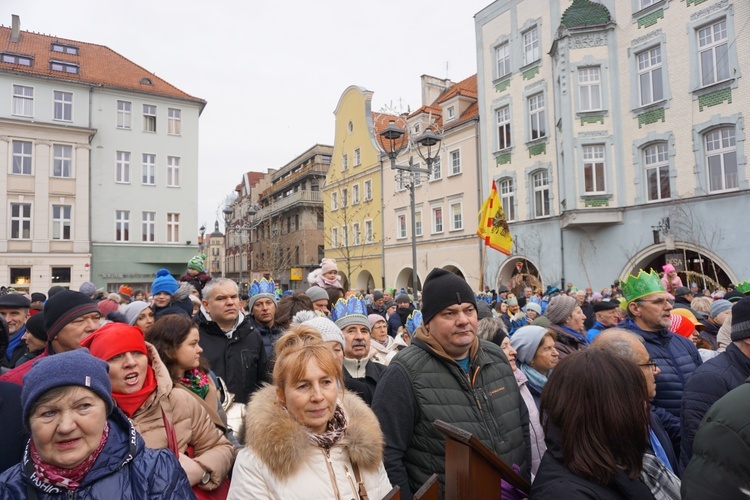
{"x": 651, "y": 363}
{"x": 658, "y": 302}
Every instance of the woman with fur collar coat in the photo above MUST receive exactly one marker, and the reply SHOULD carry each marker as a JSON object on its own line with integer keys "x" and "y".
{"x": 291, "y": 455}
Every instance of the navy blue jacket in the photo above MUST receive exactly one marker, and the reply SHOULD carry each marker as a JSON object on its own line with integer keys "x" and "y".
{"x": 12, "y": 437}
{"x": 710, "y": 382}
{"x": 394, "y": 323}
{"x": 125, "y": 469}
{"x": 676, "y": 357}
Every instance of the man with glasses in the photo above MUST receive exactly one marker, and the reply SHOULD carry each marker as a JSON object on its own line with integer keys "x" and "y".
{"x": 648, "y": 307}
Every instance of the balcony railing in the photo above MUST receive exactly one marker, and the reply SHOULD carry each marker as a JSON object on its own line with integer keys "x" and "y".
{"x": 294, "y": 198}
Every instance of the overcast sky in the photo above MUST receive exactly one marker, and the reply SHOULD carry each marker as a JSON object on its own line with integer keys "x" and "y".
{"x": 272, "y": 72}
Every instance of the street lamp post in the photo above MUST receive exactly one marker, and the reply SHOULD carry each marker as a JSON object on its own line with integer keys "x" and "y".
{"x": 394, "y": 145}
{"x": 202, "y": 230}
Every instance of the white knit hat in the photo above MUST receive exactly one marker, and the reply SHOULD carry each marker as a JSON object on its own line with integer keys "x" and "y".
{"x": 328, "y": 330}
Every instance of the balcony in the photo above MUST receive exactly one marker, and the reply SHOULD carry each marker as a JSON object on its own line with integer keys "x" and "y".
{"x": 300, "y": 197}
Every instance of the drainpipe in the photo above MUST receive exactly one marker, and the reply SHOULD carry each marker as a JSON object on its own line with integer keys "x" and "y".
{"x": 478, "y": 142}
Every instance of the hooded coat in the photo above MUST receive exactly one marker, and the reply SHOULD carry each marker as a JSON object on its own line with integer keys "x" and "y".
{"x": 125, "y": 469}
{"x": 281, "y": 461}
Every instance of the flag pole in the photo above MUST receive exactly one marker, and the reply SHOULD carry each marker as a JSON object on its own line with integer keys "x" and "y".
{"x": 481, "y": 267}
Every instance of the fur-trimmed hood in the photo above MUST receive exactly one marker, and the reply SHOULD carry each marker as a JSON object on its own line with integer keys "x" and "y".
{"x": 280, "y": 441}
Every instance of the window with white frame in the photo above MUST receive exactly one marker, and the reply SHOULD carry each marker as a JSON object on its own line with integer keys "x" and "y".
{"x": 22, "y": 157}
{"x": 20, "y": 221}
{"x": 148, "y": 174}
{"x": 537, "y": 120}
{"x": 455, "y": 162}
{"x": 122, "y": 167}
{"x": 344, "y": 162}
{"x": 63, "y": 106}
{"x": 656, "y": 161}
{"x": 23, "y": 100}
{"x": 368, "y": 190}
{"x": 508, "y": 199}
{"x": 355, "y": 194}
{"x": 345, "y": 236}
{"x": 721, "y": 159}
{"x": 61, "y": 222}
{"x": 437, "y": 220}
{"x": 540, "y": 183}
{"x": 334, "y": 200}
{"x": 344, "y": 197}
{"x": 368, "y": 232}
{"x": 149, "y": 118}
{"x": 173, "y": 171}
{"x": 334, "y": 237}
{"x": 173, "y": 228}
{"x": 713, "y": 53}
{"x": 647, "y": 3}
{"x": 503, "y": 128}
{"x": 402, "y": 179}
{"x": 356, "y": 236}
{"x": 124, "y": 114}
{"x": 593, "y": 169}
{"x": 417, "y": 176}
{"x": 400, "y": 226}
{"x": 418, "y": 223}
{"x": 502, "y": 57}
{"x": 436, "y": 171}
{"x": 357, "y": 157}
{"x": 62, "y": 160}
{"x": 174, "y": 121}
{"x": 451, "y": 111}
{"x": 148, "y": 227}
{"x": 457, "y": 220}
{"x": 122, "y": 225}
{"x": 590, "y": 88}
{"x": 531, "y": 46}
{"x": 650, "y": 82}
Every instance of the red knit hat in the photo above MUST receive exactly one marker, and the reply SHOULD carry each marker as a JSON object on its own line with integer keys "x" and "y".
{"x": 113, "y": 339}
{"x": 681, "y": 325}
{"x": 107, "y": 306}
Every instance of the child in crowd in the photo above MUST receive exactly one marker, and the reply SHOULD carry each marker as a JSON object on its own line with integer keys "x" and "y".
{"x": 327, "y": 276}
{"x": 196, "y": 274}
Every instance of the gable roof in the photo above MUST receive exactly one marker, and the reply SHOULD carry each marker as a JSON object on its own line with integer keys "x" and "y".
{"x": 98, "y": 65}
{"x": 466, "y": 88}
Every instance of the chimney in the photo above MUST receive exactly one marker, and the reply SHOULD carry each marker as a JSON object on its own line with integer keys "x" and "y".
{"x": 16, "y": 31}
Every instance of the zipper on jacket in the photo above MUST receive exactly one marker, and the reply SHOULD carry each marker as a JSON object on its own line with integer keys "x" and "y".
{"x": 352, "y": 483}
{"x": 331, "y": 474}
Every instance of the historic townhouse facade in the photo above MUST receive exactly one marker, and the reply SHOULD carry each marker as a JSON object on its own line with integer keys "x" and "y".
{"x": 237, "y": 245}
{"x": 615, "y": 134}
{"x": 447, "y": 199}
{"x": 102, "y": 166}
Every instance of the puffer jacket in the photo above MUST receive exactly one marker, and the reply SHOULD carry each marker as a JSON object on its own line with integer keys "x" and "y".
{"x": 566, "y": 343}
{"x": 125, "y": 469}
{"x": 280, "y": 460}
{"x": 710, "y": 382}
{"x": 191, "y": 422}
{"x": 676, "y": 357}
{"x": 719, "y": 467}
{"x": 240, "y": 360}
{"x": 423, "y": 384}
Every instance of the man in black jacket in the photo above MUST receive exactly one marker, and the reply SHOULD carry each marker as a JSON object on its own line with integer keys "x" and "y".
{"x": 231, "y": 344}
{"x": 361, "y": 374}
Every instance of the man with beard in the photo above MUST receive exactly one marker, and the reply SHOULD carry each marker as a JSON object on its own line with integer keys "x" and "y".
{"x": 14, "y": 308}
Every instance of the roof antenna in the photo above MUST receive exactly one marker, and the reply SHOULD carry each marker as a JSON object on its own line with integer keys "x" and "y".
{"x": 446, "y": 69}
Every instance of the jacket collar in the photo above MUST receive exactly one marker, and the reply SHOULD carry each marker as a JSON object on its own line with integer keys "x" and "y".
{"x": 423, "y": 335}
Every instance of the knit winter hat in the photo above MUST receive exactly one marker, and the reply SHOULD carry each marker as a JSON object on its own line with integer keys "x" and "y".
{"x": 316, "y": 293}
{"x": 444, "y": 289}
{"x": 328, "y": 265}
{"x": 483, "y": 310}
{"x": 560, "y": 308}
{"x": 402, "y": 297}
{"x": 374, "y": 319}
{"x": 377, "y": 295}
{"x": 113, "y": 339}
{"x": 63, "y": 307}
{"x": 668, "y": 268}
{"x": 72, "y": 368}
{"x": 718, "y": 307}
{"x": 688, "y": 315}
{"x": 164, "y": 282}
{"x": 526, "y": 341}
{"x": 741, "y": 320}
{"x": 35, "y": 326}
{"x": 107, "y": 306}
{"x": 328, "y": 330}
{"x": 681, "y": 325}
{"x": 533, "y": 306}
{"x": 133, "y": 310}
{"x": 87, "y": 288}
{"x": 197, "y": 263}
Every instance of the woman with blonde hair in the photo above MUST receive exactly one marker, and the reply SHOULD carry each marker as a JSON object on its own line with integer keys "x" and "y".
{"x": 304, "y": 438}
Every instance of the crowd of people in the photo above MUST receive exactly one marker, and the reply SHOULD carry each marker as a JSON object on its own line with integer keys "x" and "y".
{"x": 195, "y": 390}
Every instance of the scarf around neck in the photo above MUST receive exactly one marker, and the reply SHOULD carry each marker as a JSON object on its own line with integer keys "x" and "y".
{"x": 196, "y": 381}
{"x": 535, "y": 379}
{"x": 334, "y": 431}
{"x": 129, "y": 403}
{"x": 67, "y": 479}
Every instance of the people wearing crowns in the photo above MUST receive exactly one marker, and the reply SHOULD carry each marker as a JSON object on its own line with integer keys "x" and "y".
{"x": 262, "y": 306}
{"x": 14, "y": 308}
{"x": 196, "y": 275}
{"x": 361, "y": 375}
{"x": 648, "y": 314}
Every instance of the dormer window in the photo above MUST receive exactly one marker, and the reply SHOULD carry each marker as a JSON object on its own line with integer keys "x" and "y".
{"x": 451, "y": 112}
{"x": 147, "y": 81}
{"x": 21, "y": 60}
{"x": 64, "y": 48}
{"x": 64, "y": 66}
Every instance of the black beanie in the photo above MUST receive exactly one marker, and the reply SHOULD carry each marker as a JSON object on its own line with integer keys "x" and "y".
{"x": 741, "y": 320}
{"x": 63, "y": 307}
{"x": 35, "y": 326}
{"x": 443, "y": 289}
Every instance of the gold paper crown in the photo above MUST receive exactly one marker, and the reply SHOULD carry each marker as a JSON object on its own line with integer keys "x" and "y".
{"x": 743, "y": 287}
{"x": 636, "y": 287}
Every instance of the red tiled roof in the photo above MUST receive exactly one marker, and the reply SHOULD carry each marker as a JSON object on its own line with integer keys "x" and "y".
{"x": 467, "y": 87}
{"x": 98, "y": 65}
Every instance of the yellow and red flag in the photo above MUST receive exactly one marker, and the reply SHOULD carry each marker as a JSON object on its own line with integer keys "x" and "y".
{"x": 493, "y": 228}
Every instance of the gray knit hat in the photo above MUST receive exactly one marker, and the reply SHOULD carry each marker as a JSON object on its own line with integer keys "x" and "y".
{"x": 133, "y": 310}
{"x": 560, "y": 308}
{"x": 741, "y": 320}
{"x": 719, "y": 306}
{"x": 328, "y": 330}
{"x": 316, "y": 293}
{"x": 526, "y": 341}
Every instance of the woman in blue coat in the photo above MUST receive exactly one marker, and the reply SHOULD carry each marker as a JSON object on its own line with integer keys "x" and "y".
{"x": 80, "y": 446}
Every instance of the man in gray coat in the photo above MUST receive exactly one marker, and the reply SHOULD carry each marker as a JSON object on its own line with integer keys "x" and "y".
{"x": 448, "y": 374}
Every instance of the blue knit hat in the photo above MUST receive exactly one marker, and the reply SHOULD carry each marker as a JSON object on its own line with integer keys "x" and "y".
{"x": 72, "y": 368}
{"x": 164, "y": 282}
